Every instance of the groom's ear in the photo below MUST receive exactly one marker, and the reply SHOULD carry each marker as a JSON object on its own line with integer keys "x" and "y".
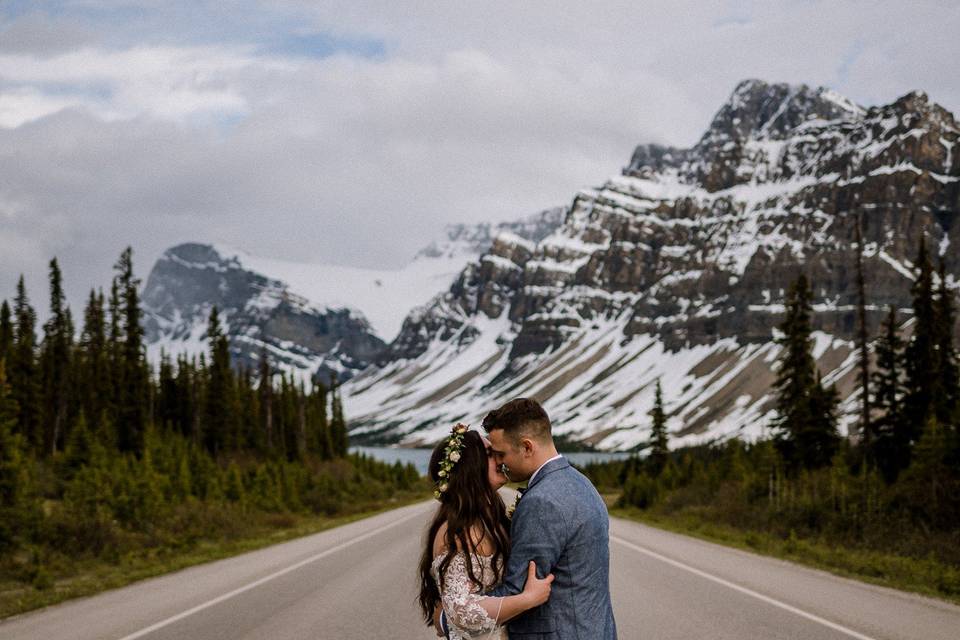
{"x": 528, "y": 446}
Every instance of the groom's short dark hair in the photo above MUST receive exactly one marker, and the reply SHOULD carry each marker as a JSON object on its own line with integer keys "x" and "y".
{"x": 520, "y": 417}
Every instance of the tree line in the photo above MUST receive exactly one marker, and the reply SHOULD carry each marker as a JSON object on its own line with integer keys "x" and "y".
{"x": 893, "y": 484}
{"x": 102, "y": 451}
{"x": 105, "y": 380}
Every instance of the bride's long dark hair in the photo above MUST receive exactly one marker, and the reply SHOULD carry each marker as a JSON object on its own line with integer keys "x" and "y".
{"x": 469, "y": 502}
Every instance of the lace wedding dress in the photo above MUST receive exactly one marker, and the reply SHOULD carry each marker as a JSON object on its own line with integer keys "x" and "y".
{"x": 461, "y": 597}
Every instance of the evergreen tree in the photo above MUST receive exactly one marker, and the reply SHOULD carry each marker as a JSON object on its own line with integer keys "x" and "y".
{"x": 339, "y": 439}
{"x": 132, "y": 399}
{"x": 115, "y": 347}
{"x": 324, "y": 444}
{"x": 23, "y": 373}
{"x": 233, "y": 486}
{"x": 920, "y": 357}
{"x": 219, "y": 418}
{"x": 929, "y": 486}
{"x": 819, "y": 441}
{"x": 659, "y": 449}
{"x": 249, "y": 411}
{"x": 888, "y": 440}
{"x": 265, "y": 390}
{"x": 288, "y": 416}
{"x": 17, "y": 514}
{"x": 863, "y": 363}
{"x": 93, "y": 367}
{"x": 946, "y": 402}
{"x": 82, "y": 448}
{"x": 167, "y": 395}
{"x": 6, "y": 331}
{"x": 805, "y": 425}
{"x": 56, "y": 355}
{"x": 186, "y": 399}
{"x": 301, "y": 420}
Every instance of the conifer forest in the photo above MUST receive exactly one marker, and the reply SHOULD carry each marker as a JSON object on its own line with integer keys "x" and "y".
{"x": 883, "y": 501}
{"x": 105, "y": 460}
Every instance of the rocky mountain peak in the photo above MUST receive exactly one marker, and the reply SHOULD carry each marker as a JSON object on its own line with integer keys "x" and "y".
{"x": 259, "y": 313}
{"x": 758, "y": 109}
{"x": 677, "y": 269}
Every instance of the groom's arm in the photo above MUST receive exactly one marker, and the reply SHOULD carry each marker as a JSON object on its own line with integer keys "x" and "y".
{"x": 538, "y": 536}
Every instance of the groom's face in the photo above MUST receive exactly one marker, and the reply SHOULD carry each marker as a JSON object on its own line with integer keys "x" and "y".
{"x": 515, "y": 456}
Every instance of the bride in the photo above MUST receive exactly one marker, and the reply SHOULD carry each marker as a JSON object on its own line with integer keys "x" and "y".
{"x": 468, "y": 542}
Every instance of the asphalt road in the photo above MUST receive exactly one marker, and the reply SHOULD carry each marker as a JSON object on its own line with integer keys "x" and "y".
{"x": 358, "y": 581}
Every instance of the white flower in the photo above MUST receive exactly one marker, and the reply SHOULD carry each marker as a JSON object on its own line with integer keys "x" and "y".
{"x": 443, "y": 487}
{"x": 455, "y": 456}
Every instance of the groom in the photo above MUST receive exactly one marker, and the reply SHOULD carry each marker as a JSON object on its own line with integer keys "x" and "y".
{"x": 560, "y": 522}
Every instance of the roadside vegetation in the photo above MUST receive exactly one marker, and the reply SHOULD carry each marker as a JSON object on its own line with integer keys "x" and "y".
{"x": 882, "y": 505}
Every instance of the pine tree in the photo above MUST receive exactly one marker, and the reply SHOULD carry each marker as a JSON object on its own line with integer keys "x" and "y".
{"x": 324, "y": 444}
{"x": 887, "y": 439}
{"x": 863, "y": 355}
{"x": 93, "y": 378}
{"x": 301, "y": 421}
{"x": 23, "y": 371}
{"x": 820, "y": 440}
{"x": 233, "y": 484}
{"x": 946, "y": 401}
{"x": 134, "y": 377}
{"x": 248, "y": 411}
{"x": 167, "y": 397}
{"x": 82, "y": 448}
{"x": 219, "y": 418}
{"x": 56, "y": 355}
{"x": 6, "y": 332}
{"x": 805, "y": 425}
{"x": 659, "y": 449}
{"x": 288, "y": 416}
{"x": 928, "y": 485}
{"x": 265, "y": 390}
{"x": 920, "y": 357}
{"x": 339, "y": 439}
{"x": 14, "y": 511}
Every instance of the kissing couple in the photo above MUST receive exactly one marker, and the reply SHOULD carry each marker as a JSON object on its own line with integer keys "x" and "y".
{"x": 538, "y": 570}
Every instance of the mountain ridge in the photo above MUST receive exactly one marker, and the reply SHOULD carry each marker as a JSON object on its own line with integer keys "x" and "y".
{"x": 677, "y": 268}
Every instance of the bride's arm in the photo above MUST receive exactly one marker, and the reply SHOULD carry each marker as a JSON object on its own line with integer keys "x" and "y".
{"x": 476, "y": 612}
{"x": 535, "y": 592}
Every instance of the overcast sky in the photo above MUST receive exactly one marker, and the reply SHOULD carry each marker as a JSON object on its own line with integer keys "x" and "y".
{"x": 351, "y": 132}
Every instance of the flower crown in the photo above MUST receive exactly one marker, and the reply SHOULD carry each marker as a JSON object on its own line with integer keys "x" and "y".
{"x": 451, "y": 455}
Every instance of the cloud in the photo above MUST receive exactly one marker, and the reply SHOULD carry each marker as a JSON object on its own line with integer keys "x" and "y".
{"x": 350, "y": 132}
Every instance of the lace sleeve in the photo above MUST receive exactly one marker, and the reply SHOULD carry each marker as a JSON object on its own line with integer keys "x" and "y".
{"x": 461, "y": 598}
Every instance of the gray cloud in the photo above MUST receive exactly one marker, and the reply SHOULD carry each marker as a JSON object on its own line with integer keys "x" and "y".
{"x": 482, "y": 111}
{"x": 43, "y": 35}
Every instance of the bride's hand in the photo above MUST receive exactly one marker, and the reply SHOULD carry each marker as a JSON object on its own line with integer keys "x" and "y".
{"x": 536, "y": 590}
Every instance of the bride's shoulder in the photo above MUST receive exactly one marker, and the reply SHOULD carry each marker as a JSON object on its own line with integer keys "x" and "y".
{"x": 440, "y": 540}
{"x": 479, "y": 540}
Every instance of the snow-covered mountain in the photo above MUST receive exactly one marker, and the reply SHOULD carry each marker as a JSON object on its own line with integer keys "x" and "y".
{"x": 676, "y": 269}
{"x": 312, "y": 318}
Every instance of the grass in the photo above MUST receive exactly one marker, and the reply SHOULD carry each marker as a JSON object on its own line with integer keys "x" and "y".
{"x": 925, "y": 576}
{"x": 84, "y": 577}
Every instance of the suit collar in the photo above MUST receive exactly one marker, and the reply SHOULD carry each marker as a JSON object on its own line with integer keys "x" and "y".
{"x": 554, "y": 465}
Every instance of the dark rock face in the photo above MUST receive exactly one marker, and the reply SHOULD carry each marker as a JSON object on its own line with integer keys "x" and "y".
{"x": 699, "y": 244}
{"x": 259, "y": 313}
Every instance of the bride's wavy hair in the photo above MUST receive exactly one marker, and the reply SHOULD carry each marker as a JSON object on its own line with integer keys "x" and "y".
{"x": 468, "y": 502}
